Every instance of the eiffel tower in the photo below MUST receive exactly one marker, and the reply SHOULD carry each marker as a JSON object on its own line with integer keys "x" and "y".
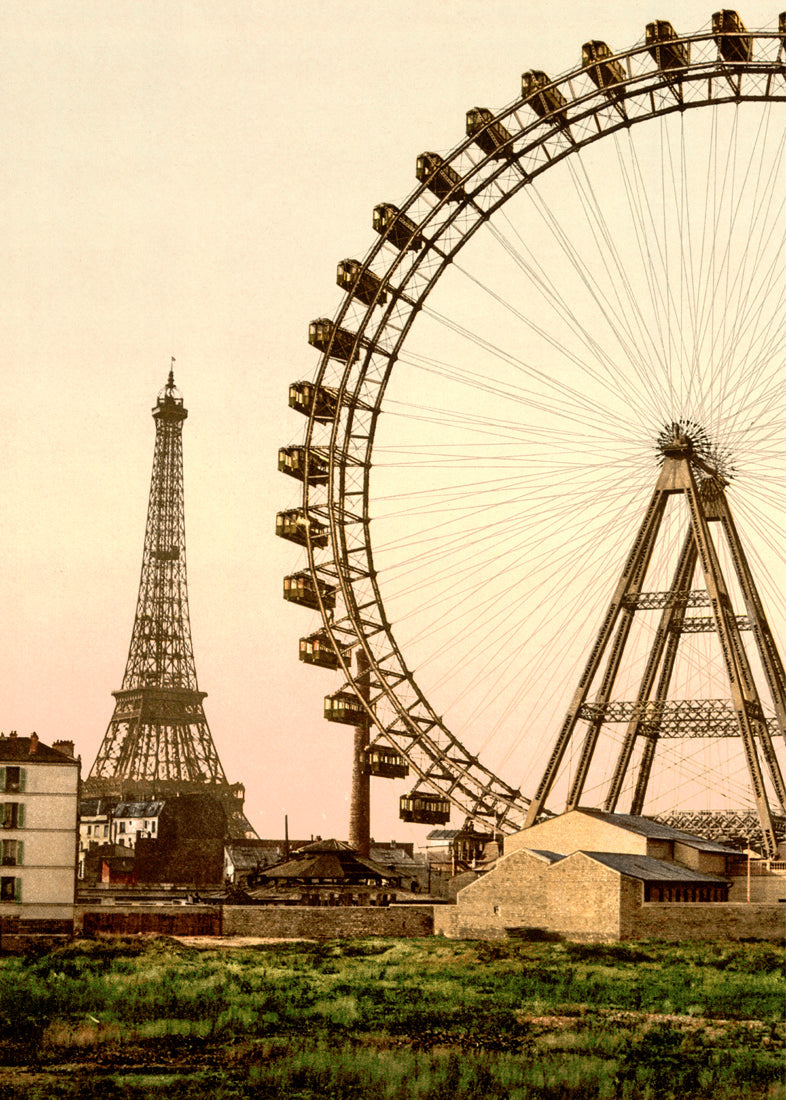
{"x": 158, "y": 743}
{"x": 692, "y": 470}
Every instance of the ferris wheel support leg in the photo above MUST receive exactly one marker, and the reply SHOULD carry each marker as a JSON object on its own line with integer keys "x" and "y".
{"x": 666, "y": 640}
{"x": 743, "y": 690}
{"x": 651, "y": 743}
{"x": 628, "y": 586}
{"x": 765, "y": 642}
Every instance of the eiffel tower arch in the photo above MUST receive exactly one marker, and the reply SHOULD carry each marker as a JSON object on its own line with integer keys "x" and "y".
{"x": 730, "y": 609}
{"x": 158, "y": 743}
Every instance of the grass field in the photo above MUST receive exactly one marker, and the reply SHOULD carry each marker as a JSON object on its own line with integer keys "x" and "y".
{"x": 394, "y": 1020}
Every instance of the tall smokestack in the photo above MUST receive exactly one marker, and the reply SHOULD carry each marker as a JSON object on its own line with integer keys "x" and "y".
{"x": 360, "y": 797}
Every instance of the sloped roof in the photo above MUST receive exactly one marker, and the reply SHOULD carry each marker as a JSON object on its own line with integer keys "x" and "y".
{"x": 653, "y": 870}
{"x": 138, "y": 809}
{"x": 647, "y": 827}
{"x": 328, "y": 860}
{"x": 247, "y": 856}
{"x": 398, "y": 857}
{"x": 542, "y": 853}
{"x": 16, "y": 750}
{"x": 95, "y": 807}
{"x": 444, "y": 835}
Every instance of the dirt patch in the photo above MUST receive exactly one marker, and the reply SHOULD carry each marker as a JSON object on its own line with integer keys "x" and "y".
{"x": 203, "y": 943}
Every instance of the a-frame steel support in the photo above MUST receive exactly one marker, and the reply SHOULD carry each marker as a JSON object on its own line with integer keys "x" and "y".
{"x": 683, "y": 472}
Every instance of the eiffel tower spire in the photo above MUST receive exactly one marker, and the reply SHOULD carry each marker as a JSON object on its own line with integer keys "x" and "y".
{"x": 158, "y": 742}
{"x": 656, "y": 713}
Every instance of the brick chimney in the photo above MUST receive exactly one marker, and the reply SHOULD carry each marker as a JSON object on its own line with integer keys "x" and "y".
{"x": 33, "y": 743}
{"x": 66, "y": 747}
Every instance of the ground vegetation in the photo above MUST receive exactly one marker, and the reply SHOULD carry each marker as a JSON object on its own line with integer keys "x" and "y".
{"x": 430, "y": 1019}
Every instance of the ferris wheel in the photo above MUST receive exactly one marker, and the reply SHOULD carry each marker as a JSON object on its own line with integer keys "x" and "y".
{"x": 596, "y": 268}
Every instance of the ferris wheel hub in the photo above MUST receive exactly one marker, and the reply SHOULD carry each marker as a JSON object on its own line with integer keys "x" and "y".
{"x": 688, "y": 439}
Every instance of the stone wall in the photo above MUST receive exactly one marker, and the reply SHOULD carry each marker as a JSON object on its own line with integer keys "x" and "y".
{"x": 577, "y": 897}
{"x": 585, "y": 899}
{"x": 766, "y": 888}
{"x": 711, "y": 921}
{"x": 327, "y": 922}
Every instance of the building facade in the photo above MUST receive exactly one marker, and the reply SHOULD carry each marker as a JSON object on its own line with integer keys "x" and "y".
{"x": 39, "y": 800}
{"x": 591, "y": 875}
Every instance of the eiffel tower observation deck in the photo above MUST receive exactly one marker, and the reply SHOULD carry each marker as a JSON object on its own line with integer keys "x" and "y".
{"x": 158, "y": 743}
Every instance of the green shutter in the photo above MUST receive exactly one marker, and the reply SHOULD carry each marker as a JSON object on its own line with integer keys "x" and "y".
{"x": 20, "y": 815}
{"x": 2, "y": 779}
{"x": 17, "y": 889}
{"x": 2, "y": 814}
{"x": 20, "y": 851}
{"x": 22, "y": 773}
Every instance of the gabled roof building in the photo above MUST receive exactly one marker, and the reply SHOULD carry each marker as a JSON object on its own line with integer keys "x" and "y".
{"x": 592, "y": 875}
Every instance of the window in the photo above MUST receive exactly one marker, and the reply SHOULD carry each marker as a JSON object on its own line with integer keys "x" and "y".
{"x": 14, "y": 778}
{"x": 12, "y": 816}
{"x": 10, "y": 889}
{"x": 12, "y": 852}
{"x": 122, "y": 826}
{"x": 89, "y": 830}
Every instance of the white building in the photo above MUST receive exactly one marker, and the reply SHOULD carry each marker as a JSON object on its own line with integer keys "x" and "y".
{"x": 132, "y": 820}
{"x": 39, "y": 799}
{"x": 94, "y": 817}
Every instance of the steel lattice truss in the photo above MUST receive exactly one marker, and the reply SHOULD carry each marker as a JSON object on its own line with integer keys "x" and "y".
{"x": 457, "y": 195}
{"x": 673, "y": 718}
{"x": 743, "y": 829}
{"x": 158, "y": 738}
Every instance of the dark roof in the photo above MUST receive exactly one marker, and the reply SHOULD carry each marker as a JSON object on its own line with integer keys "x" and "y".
{"x": 653, "y": 870}
{"x": 393, "y": 856}
{"x": 16, "y": 750}
{"x": 272, "y": 845}
{"x": 443, "y": 834}
{"x": 138, "y": 809}
{"x": 96, "y": 807}
{"x": 248, "y": 856}
{"x": 646, "y": 826}
{"x": 550, "y": 857}
{"x": 328, "y": 860}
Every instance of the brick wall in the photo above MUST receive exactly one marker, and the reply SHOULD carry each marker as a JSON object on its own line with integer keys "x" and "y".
{"x": 585, "y": 899}
{"x": 711, "y": 921}
{"x": 512, "y": 895}
{"x": 175, "y": 920}
{"x": 577, "y": 898}
{"x": 327, "y": 922}
{"x": 766, "y": 888}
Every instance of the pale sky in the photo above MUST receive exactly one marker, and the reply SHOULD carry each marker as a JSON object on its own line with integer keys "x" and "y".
{"x": 181, "y": 179}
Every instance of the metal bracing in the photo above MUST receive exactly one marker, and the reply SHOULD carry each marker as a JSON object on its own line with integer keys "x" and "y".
{"x": 158, "y": 734}
{"x": 645, "y": 713}
{"x": 650, "y": 718}
{"x": 458, "y": 195}
{"x": 739, "y": 827}
{"x": 672, "y": 718}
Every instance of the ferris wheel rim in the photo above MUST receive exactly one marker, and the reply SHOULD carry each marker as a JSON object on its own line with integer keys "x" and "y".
{"x": 445, "y": 765}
